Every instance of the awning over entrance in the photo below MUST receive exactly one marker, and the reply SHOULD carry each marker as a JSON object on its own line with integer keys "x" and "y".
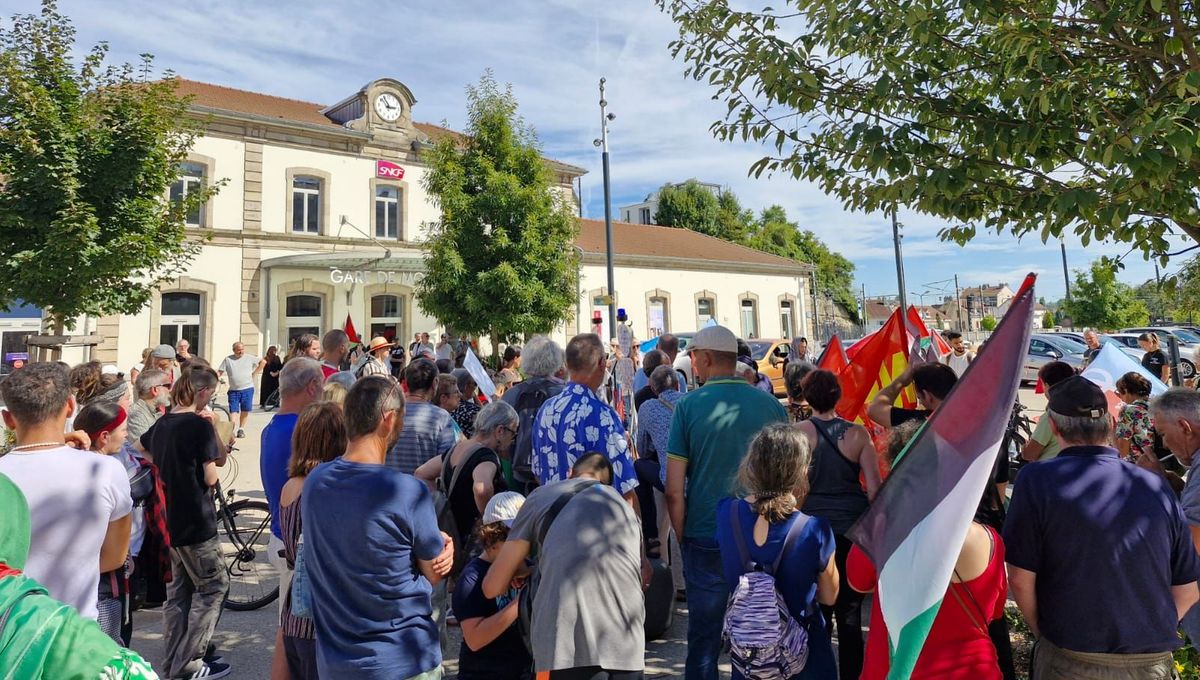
{"x": 367, "y": 265}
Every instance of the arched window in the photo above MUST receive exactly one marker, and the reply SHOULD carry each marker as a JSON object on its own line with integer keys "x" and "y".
{"x": 787, "y": 319}
{"x": 180, "y": 318}
{"x": 657, "y": 316}
{"x": 749, "y": 319}
{"x": 303, "y": 315}
{"x": 706, "y": 310}
{"x": 387, "y": 315}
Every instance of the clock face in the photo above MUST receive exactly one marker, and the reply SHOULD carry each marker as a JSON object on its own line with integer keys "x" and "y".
{"x": 388, "y": 107}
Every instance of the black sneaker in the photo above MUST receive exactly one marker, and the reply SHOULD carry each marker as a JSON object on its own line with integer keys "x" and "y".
{"x": 241, "y": 433}
{"x": 210, "y": 671}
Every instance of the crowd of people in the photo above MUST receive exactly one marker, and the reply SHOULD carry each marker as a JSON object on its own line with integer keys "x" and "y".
{"x": 403, "y": 500}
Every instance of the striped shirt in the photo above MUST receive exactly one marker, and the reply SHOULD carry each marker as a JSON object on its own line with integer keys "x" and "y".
{"x": 290, "y": 525}
{"x": 428, "y": 432}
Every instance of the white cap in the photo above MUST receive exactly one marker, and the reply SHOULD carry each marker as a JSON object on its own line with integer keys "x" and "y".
{"x": 110, "y": 369}
{"x": 743, "y": 367}
{"x": 503, "y": 508}
{"x": 715, "y": 338}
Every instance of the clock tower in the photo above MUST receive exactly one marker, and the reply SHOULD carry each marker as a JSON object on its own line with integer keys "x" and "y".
{"x": 382, "y": 107}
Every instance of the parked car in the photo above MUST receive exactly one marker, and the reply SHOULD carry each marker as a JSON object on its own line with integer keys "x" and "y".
{"x": 770, "y": 353}
{"x": 1134, "y": 352}
{"x": 1187, "y": 366}
{"x": 1189, "y": 344}
{"x": 1046, "y": 347}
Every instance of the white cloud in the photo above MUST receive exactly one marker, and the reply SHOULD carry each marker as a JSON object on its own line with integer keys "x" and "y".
{"x": 553, "y": 52}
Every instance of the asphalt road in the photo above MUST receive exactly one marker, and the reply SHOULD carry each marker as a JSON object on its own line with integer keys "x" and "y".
{"x": 246, "y": 639}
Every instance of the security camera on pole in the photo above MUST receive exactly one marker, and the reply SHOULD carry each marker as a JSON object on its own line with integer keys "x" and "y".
{"x": 602, "y": 144}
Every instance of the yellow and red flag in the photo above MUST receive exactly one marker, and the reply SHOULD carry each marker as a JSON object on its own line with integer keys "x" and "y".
{"x": 833, "y": 358}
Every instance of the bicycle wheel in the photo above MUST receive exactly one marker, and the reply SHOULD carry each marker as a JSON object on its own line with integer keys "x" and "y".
{"x": 253, "y": 580}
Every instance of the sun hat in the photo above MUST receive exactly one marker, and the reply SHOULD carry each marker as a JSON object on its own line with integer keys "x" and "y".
{"x": 378, "y": 343}
{"x": 503, "y": 507}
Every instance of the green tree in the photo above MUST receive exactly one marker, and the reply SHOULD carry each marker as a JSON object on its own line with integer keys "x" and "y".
{"x": 988, "y": 323}
{"x": 1099, "y": 300}
{"x": 87, "y": 154}
{"x": 694, "y": 206}
{"x": 774, "y": 233}
{"x": 1048, "y": 320}
{"x": 501, "y": 260}
{"x": 1025, "y": 118}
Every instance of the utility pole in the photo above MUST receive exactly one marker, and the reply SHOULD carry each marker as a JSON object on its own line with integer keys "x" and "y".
{"x": 816, "y": 308}
{"x": 899, "y": 261}
{"x": 958, "y": 305}
{"x": 863, "y": 316}
{"x": 1066, "y": 276}
{"x": 605, "y": 117}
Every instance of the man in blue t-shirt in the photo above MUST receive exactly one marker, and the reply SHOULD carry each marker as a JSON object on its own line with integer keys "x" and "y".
{"x": 300, "y": 384}
{"x": 373, "y": 550}
{"x": 711, "y": 430}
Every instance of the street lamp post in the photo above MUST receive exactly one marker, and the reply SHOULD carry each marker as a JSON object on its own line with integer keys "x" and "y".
{"x": 899, "y": 261}
{"x": 602, "y": 143}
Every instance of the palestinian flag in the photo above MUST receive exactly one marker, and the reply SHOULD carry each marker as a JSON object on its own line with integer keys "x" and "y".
{"x": 914, "y": 530}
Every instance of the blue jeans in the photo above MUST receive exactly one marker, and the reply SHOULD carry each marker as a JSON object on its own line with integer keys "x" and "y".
{"x": 707, "y": 595}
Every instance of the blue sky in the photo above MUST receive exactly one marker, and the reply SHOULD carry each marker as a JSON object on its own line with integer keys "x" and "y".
{"x": 553, "y": 52}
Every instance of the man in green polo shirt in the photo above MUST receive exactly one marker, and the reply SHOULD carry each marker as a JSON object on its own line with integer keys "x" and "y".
{"x": 710, "y": 432}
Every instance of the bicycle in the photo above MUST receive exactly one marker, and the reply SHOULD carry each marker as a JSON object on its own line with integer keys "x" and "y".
{"x": 246, "y": 525}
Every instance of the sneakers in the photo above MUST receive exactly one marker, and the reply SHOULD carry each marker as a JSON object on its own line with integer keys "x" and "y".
{"x": 241, "y": 433}
{"x": 210, "y": 671}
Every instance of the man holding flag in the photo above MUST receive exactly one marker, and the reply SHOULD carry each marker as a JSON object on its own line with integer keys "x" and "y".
{"x": 1100, "y": 558}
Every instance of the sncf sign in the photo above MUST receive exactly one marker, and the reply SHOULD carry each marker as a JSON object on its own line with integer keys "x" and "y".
{"x": 388, "y": 170}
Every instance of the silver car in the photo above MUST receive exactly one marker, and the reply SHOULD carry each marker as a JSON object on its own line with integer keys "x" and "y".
{"x": 1044, "y": 348}
{"x": 1187, "y": 365}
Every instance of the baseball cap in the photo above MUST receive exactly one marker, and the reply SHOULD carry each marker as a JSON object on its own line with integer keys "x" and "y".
{"x": 503, "y": 508}
{"x": 163, "y": 352}
{"x": 1078, "y": 397}
{"x": 743, "y": 367}
{"x": 714, "y": 338}
{"x": 110, "y": 369}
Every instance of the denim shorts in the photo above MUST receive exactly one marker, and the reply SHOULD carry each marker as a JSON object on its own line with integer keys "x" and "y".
{"x": 241, "y": 400}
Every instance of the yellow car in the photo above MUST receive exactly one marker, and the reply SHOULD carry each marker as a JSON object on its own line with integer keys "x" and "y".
{"x": 770, "y": 354}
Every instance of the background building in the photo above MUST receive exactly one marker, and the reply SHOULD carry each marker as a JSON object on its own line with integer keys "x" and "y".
{"x": 322, "y": 215}
{"x": 643, "y": 213}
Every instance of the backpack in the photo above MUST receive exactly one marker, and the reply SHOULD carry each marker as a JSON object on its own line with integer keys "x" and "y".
{"x": 527, "y": 405}
{"x": 525, "y": 601}
{"x": 765, "y": 641}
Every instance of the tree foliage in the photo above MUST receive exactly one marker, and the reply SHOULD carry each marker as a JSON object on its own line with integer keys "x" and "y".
{"x": 774, "y": 233}
{"x": 1175, "y": 297}
{"x": 695, "y": 207}
{"x": 1099, "y": 300}
{"x": 1021, "y": 118}
{"x": 87, "y": 155}
{"x": 1048, "y": 320}
{"x": 988, "y": 323}
{"x": 502, "y": 259}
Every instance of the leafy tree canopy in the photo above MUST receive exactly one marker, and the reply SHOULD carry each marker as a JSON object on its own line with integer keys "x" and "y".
{"x": 502, "y": 259}
{"x": 1020, "y": 118}
{"x": 988, "y": 323}
{"x": 87, "y": 154}
{"x": 693, "y": 206}
{"x": 1099, "y": 300}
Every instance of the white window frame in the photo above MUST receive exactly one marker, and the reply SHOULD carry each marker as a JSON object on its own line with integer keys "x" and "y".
{"x": 307, "y": 192}
{"x": 189, "y": 183}
{"x": 381, "y": 230}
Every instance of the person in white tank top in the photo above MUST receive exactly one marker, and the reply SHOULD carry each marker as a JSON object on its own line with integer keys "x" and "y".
{"x": 959, "y": 356}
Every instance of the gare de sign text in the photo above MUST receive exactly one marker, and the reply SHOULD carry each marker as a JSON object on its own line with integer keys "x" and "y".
{"x": 363, "y": 276}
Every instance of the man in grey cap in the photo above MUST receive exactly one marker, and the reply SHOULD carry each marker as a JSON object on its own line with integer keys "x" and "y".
{"x": 163, "y": 357}
{"x": 703, "y": 455}
{"x": 1100, "y": 558}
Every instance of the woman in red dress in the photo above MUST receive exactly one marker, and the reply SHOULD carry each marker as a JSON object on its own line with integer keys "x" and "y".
{"x": 958, "y": 646}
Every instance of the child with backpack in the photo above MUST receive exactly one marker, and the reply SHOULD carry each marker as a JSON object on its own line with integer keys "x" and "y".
{"x": 779, "y": 565}
{"x": 492, "y": 646}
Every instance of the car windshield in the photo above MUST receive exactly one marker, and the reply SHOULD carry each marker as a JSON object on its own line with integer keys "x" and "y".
{"x": 1068, "y": 345}
{"x": 759, "y": 348}
{"x": 1185, "y": 335}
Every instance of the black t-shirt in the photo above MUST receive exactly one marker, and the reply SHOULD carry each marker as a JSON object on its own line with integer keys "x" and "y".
{"x": 397, "y": 355}
{"x": 1154, "y": 362}
{"x": 506, "y": 658}
{"x": 462, "y": 496}
{"x": 180, "y": 444}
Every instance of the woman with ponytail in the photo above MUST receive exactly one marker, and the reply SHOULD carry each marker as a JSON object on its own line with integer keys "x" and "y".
{"x": 774, "y": 477}
{"x": 104, "y": 423}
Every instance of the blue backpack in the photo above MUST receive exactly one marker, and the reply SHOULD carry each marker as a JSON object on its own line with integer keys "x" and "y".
{"x": 765, "y": 641}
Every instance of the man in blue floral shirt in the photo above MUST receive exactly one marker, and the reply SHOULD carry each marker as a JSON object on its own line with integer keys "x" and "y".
{"x": 576, "y": 422}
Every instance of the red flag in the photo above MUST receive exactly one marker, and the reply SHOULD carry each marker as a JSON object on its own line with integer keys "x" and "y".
{"x": 833, "y": 358}
{"x": 879, "y": 360}
{"x": 349, "y": 328}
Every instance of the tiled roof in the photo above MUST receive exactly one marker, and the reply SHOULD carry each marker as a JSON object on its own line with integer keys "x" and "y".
{"x": 232, "y": 99}
{"x": 650, "y": 240}
{"x": 878, "y": 310}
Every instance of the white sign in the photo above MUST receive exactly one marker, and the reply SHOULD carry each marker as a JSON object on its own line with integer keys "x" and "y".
{"x": 363, "y": 276}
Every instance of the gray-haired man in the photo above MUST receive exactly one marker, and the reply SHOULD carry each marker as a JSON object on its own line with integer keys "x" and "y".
{"x": 1177, "y": 418}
